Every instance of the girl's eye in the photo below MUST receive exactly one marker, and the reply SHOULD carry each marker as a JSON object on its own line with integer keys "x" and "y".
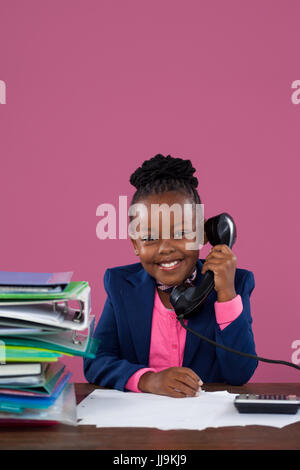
{"x": 180, "y": 234}
{"x": 148, "y": 238}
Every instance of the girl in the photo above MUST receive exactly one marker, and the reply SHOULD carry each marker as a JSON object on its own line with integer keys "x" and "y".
{"x": 143, "y": 348}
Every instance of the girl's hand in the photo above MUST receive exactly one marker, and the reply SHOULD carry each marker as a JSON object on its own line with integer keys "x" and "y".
{"x": 222, "y": 262}
{"x": 176, "y": 382}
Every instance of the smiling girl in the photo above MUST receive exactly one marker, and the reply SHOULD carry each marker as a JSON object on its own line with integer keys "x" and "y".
{"x": 143, "y": 348}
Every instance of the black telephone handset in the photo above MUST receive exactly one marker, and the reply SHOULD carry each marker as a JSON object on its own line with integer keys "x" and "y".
{"x": 220, "y": 229}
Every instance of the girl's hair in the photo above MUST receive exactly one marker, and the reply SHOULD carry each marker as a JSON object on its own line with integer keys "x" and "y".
{"x": 160, "y": 174}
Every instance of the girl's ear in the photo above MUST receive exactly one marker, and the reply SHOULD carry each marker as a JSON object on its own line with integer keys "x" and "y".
{"x": 135, "y": 247}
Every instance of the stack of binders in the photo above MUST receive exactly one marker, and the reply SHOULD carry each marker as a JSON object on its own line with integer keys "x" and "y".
{"x": 43, "y": 316}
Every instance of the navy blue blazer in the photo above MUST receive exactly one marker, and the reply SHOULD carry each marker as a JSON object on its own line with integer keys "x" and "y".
{"x": 124, "y": 331}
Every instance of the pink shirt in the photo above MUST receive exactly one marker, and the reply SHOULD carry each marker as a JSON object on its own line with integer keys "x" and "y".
{"x": 168, "y": 336}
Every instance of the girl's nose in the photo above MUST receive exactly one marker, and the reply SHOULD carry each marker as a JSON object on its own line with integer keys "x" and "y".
{"x": 166, "y": 246}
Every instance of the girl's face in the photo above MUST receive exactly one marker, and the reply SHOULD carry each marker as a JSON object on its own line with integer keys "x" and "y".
{"x": 168, "y": 260}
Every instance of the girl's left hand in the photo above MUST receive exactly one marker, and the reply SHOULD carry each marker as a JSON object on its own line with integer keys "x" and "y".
{"x": 222, "y": 262}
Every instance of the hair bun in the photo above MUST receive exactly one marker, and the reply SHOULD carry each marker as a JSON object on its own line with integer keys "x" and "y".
{"x": 160, "y": 168}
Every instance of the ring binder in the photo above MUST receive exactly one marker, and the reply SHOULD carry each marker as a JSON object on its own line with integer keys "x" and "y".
{"x": 78, "y": 315}
{"x": 54, "y": 312}
{"x": 40, "y": 326}
{"x": 67, "y": 342}
{"x": 75, "y": 339}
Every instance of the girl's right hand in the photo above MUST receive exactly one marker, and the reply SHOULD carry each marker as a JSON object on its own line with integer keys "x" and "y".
{"x": 176, "y": 382}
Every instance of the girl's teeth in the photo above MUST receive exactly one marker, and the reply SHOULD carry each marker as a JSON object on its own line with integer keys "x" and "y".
{"x": 169, "y": 265}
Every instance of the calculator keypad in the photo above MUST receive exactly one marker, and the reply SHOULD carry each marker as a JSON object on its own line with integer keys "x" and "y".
{"x": 251, "y": 396}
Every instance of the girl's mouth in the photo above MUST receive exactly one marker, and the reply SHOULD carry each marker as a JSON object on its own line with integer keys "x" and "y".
{"x": 170, "y": 265}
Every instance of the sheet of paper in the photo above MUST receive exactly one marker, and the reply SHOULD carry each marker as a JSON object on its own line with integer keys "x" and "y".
{"x": 112, "y": 408}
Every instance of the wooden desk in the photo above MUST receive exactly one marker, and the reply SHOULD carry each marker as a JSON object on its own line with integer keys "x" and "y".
{"x": 89, "y": 437}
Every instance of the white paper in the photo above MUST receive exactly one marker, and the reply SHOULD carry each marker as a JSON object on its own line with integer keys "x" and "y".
{"x": 112, "y": 408}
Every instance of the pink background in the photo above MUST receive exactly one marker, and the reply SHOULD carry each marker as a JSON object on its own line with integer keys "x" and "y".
{"x": 95, "y": 87}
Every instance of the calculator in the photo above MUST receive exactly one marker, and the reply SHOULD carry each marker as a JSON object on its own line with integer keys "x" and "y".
{"x": 251, "y": 403}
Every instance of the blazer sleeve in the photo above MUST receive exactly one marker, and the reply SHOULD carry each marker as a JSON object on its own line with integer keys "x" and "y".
{"x": 236, "y": 369}
{"x": 109, "y": 369}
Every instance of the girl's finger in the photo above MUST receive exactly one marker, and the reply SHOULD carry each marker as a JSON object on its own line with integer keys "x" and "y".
{"x": 188, "y": 381}
{"x": 174, "y": 393}
{"x": 217, "y": 254}
{"x": 211, "y": 267}
{"x": 213, "y": 262}
{"x": 191, "y": 374}
{"x": 184, "y": 388}
{"x": 222, "y": 248}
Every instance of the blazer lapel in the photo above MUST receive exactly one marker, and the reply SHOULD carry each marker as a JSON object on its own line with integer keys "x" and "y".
{"x": 139, "y": 301}
{"x": 198, "y": 322}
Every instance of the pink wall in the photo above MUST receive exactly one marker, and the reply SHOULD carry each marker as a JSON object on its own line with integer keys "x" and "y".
{"x": 95, "y": 87}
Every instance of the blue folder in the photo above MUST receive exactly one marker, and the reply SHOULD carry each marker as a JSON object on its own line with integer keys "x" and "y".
{"x": 17, "y": 404}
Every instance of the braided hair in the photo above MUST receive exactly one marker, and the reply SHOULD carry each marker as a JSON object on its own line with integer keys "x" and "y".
{"x": 160, "y": 174}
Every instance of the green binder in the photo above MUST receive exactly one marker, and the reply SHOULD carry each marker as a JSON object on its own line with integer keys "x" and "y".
{"x": 26, "y": 354}
{"x": 64, "y": 343}
{"x": 72, "y": 290}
